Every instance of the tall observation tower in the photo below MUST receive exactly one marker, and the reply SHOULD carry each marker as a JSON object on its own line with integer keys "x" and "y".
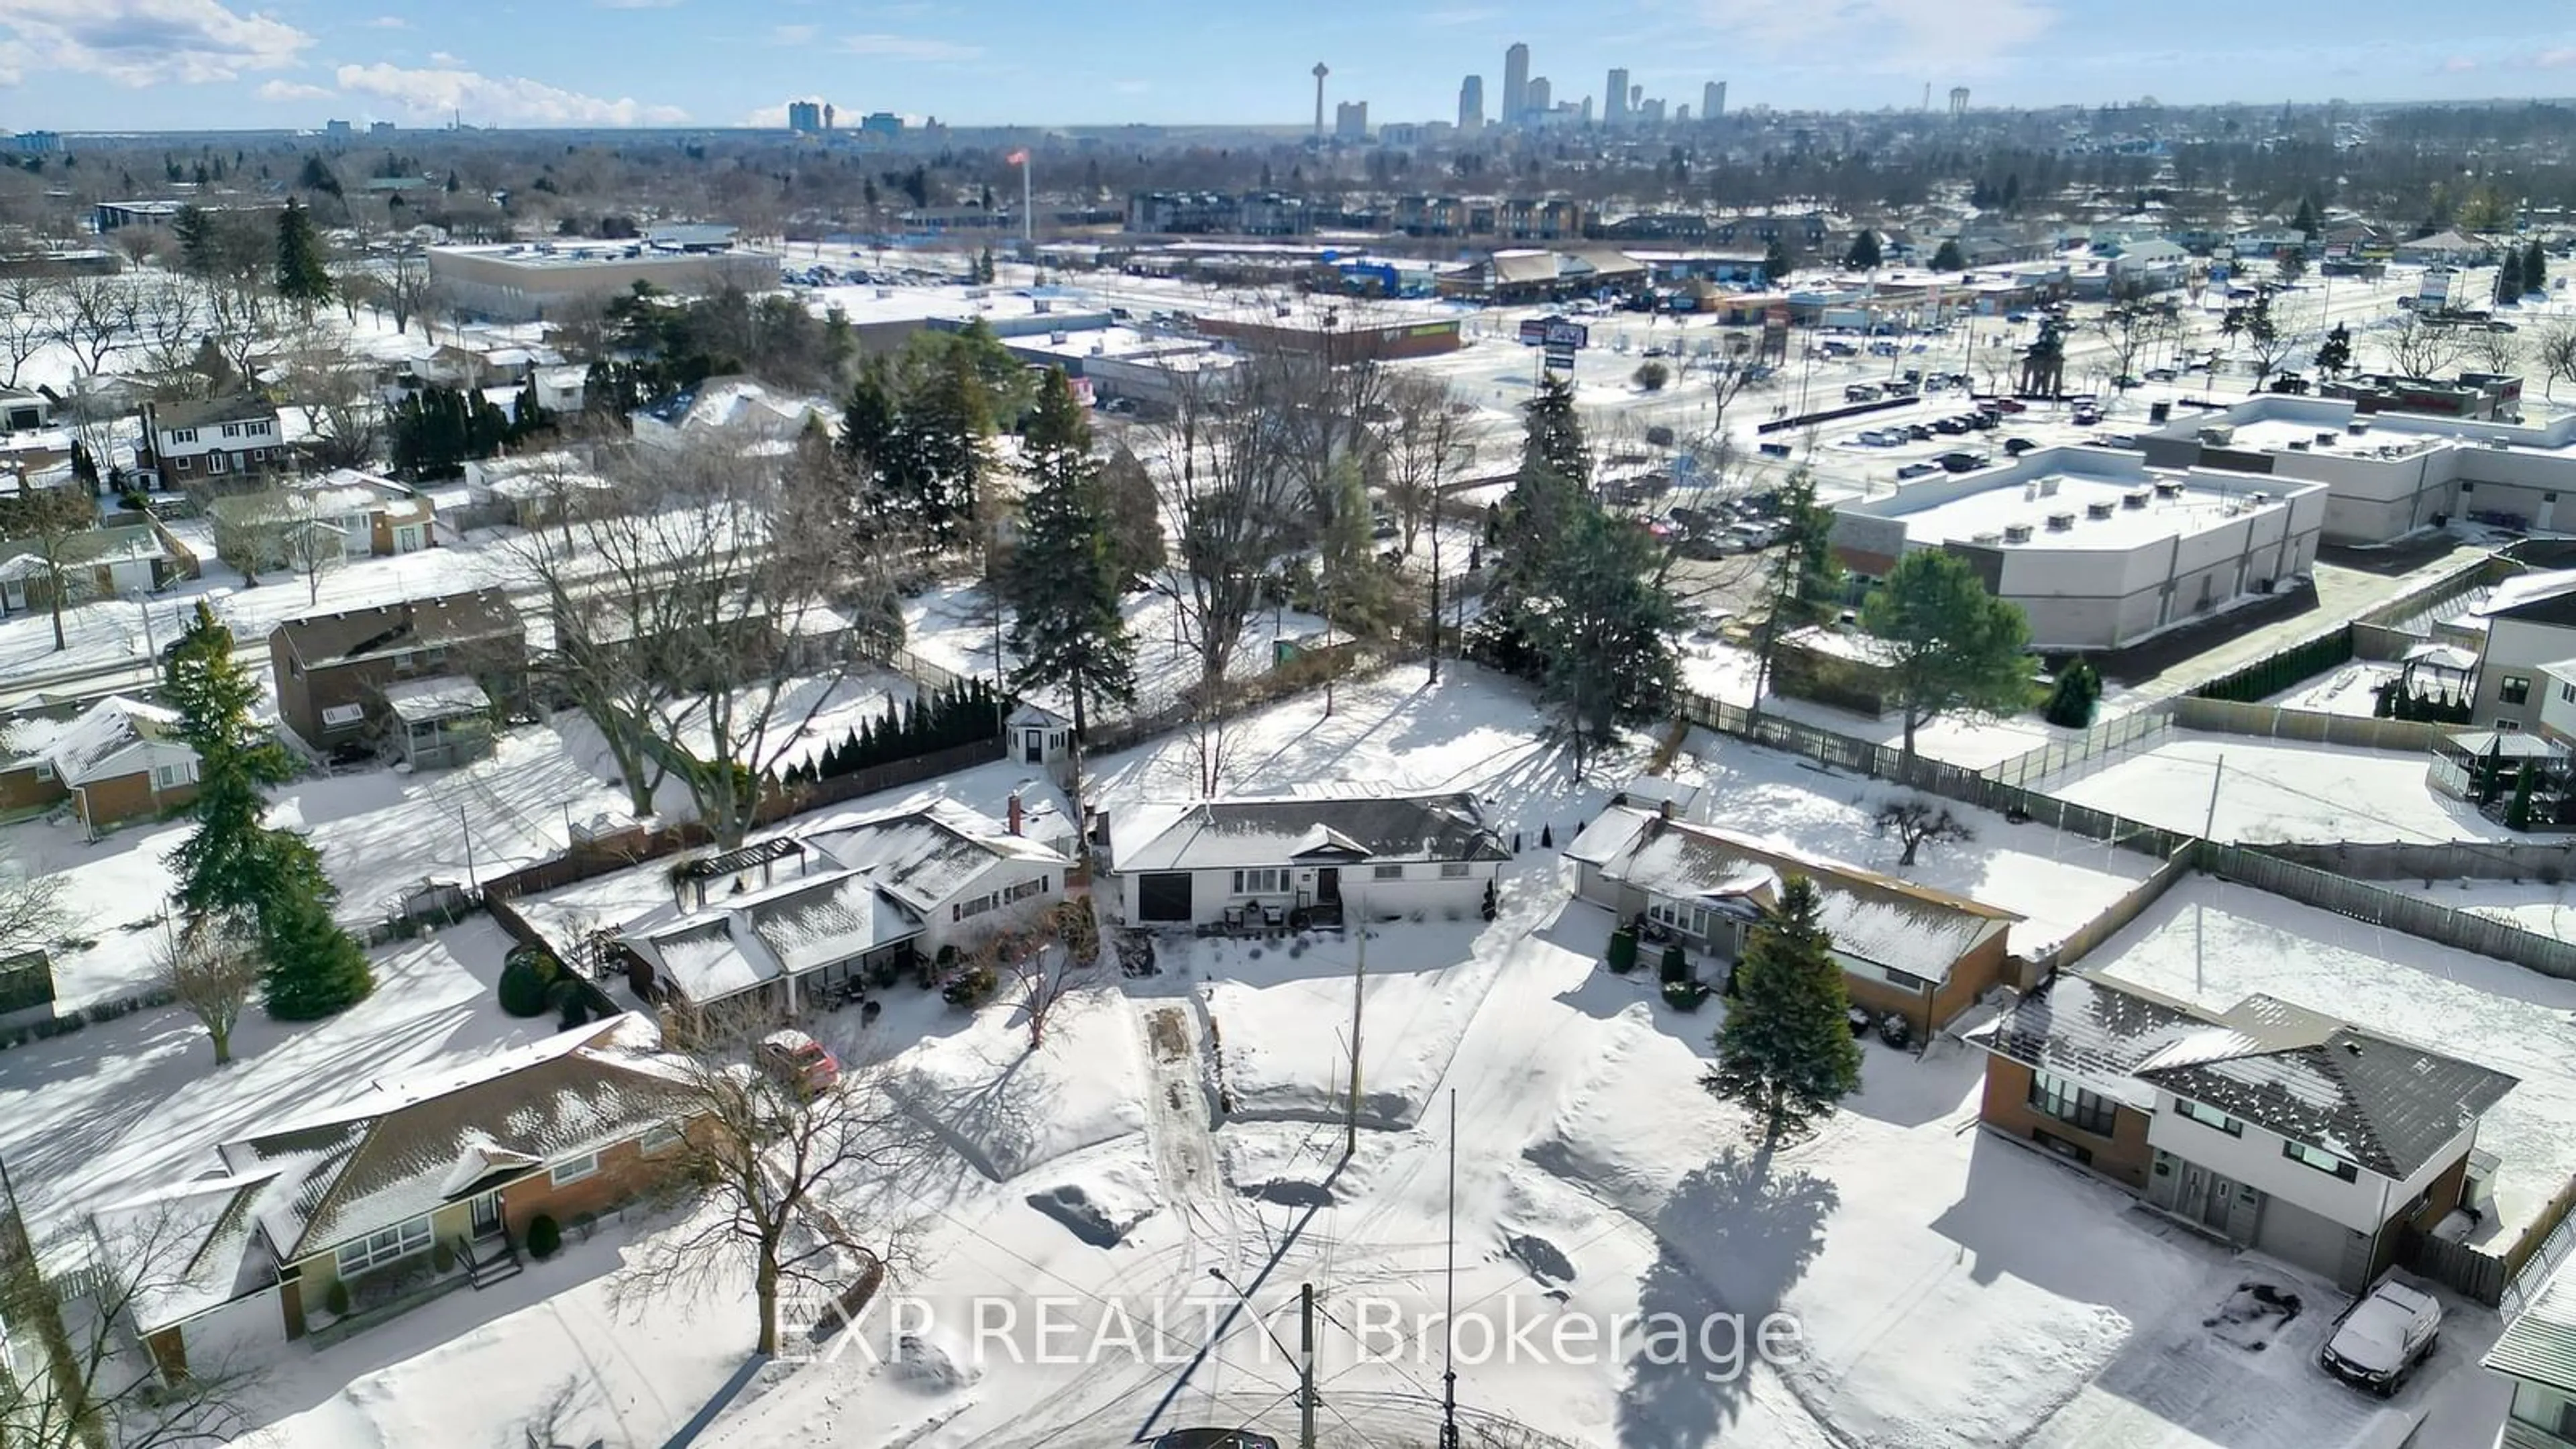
{"x": 1321, "y": 70}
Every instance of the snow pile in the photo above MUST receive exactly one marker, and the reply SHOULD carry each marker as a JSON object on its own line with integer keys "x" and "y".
{"x": 1007, "y": 1110}
{"x": 1102, "y": 1209}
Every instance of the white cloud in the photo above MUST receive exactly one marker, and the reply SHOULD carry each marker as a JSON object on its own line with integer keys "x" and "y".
{"x": 791, "y": 34}
{"x": 909, "y": 47}
{"x": 389, "y": 22}
{"x": 278, "y": 90}
{"x": 147, "y": 42}
{"x": 498, "y": 100}
{"x": 446, "y": 60}
{"x": 2459, "y": 64}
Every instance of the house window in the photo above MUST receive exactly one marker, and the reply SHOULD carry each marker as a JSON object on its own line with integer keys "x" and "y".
{"x": 2209, "y": 1117}
{"x": 962, "y": 910}
{"x": 232, "y": 430}
{"x": 2514, "y": 690}
{"x": 2068, "y": 1103}
{"x": 171, "y": 777}
{"x": 2567, "y": 694}
{"x": 573, "y": 1169}
{"x": 1265, "y": 881}
{"x": 1453, "y": 870}
{"x": 181, "y": 437}
{"x": 377, "y": 1249}
{"x": 1024, "y": 889}
{"x": 659, "y": 1137}
{"x": 181, "y": 464}
{"x": 2320, "y": 1159}
{"x": 1387, "y": 872}
{"x": 214, "y": 462}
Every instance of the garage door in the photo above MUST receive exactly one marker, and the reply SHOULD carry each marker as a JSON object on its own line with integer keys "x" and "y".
{"x": 1163, "y": 897}
{"x": 2315, "y": 1242}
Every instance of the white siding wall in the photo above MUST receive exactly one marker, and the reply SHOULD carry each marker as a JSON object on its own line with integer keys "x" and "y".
{"x": 2255, "y": 1157}
{"x": 2517, "y": 648}
{"x": 944, "y": 928}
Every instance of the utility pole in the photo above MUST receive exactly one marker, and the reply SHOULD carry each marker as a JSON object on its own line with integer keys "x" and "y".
{"x": 1449, "y": 1314}
{"x": 1306, "y": 1366}
{"x": 1359, "y": 983}
{"x": 2208, "y": 830}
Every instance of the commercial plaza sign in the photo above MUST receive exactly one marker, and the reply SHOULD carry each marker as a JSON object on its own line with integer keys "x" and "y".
{"x": 1556, "y": 334}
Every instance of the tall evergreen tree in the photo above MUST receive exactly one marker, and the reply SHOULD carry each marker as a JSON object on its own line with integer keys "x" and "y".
{"x": 234, "y": 869}
{"x": 1555, "y": 482}
{"x": 2305, "y": 223}
{"x": 2508, "y": 288}
{"x": 301, "y": 278}
{"x": 2535, "y": 267}
{"x": 194, "y": 227}
{"x": 1948, "y": 258}
{"x": 1786, "y": 1051}
{"x": 1805, "y": 580}
{"x": 1864, "y": 253}
{"x": 1065, "y": 586}
{"x": 1603, "y": 627}
{"x": 1777, "y": 264}
{"x": 1952, "y": 647}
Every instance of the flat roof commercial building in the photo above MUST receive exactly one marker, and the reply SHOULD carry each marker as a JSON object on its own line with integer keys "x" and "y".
{"x": 2387, "y": 473}
{"x": 520, "y": 282}
{"x": 2098, "y": 550}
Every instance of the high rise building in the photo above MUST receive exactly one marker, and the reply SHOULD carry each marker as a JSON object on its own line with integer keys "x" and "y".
{"x": 1471, "y": 104}
{"x": 1350, "y": 121}
{"x": 1614, "y": 99}
{"x": 1712, "y": 100}
{"x": 1534, "y": 98}
{"x": 1516, "y": 85}
{"x": 805, "y": 118}
{"x": 828, "y": 115}
{"x": 1958, "y": 100}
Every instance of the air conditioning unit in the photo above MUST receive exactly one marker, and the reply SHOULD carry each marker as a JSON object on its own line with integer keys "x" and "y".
{"x": 2168, "y": 490}
{"x": 2100, "y": 510}
{"x": 2257, "y": 500}
{"x": 2016, "y": 533}
{"x": 2325, "y": 440}
{"x": 2060, "y": 522}
{"x": 2300, "y": 445}
{"x": 1987, "y": 538}
{"x": 2047, "y": 487}
{"x": 2500, "y": 444}
{"x": 1059, "y": 337}
{"x": 2357, "y": 427}
{"x": 2134, "y": 498}
{"x": 1041, "y": 304}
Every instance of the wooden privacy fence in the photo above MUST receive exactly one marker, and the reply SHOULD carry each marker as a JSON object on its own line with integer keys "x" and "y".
{"x": 2379, "y": 906}
{"x": 2265, "y": 721}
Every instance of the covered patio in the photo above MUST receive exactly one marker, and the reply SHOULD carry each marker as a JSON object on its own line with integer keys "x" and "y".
{"x": 440, "y": 722}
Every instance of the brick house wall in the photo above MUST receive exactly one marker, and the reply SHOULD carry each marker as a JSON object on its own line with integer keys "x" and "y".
{"x": 2123, "y": 1156}
{"x": 626, "y": 1172}
{"x": 130, "y": 797}
{"x": 24, "y": 789}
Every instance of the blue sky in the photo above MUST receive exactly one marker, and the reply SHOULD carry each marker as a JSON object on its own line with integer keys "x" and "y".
{"x": 173, "y": 64}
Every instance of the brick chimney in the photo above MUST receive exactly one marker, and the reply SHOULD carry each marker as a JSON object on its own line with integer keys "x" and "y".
{"x": 1016, "y": 817}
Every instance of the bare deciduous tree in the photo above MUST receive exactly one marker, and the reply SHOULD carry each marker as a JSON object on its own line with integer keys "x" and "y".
{"x": 32, "y": 910}
{"x": 52, "y": 526}
{"x": 2495, "y": 351}
{"x": 759, "y": 1149}
{"x": 81, "y": 1382}
{"x": 1424, "y": 447}
{"x": 2414, "y": 347}
{"x": 26, "y": 323}
{"x": 94, "y": 317}
{"x": 212, "y": 972}
{"x": 1046, "y": 960}
{"x": 709, "y": 607}
{"x": 2555, "y": 350}
{"x": 1917, "y": 822}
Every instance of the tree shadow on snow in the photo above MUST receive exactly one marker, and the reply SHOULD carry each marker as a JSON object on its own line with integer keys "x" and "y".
{"x": 1734, "y": 1237}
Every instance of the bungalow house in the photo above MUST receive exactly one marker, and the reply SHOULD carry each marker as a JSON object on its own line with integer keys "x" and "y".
{"x": 117, "y": 562}
{"x": 363, "y": 1198}
{"x": 735, "y": 932}
{"x": 218, "y": 442}
{"x": 733, "y": 412}
{"x": 1265, "y": 859}
{"x": 2452, "y": 248}
{"x": 2270, "y": 1125}
{"x": 420, "y": 676}
{"x": 958, "y": 870}
{"x": 118, "y": 760}
{"x": 353, "y": 515}
{"x": 537, "y": 490}
{"x": 2537, "y": 1355}
{"x": 1924, "y": 954}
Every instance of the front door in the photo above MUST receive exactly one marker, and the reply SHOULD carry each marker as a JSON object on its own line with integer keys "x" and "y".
{"x": 2206, "y": 1197}
{"x": 1035, "y": 746}
{"x": 1328, "y": 886}
{"x": 487, "y": 1216}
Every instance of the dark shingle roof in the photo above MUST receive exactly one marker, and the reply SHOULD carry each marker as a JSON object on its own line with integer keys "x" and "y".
{"x": 1277, "y": 832}
{"x": 239, "y": 408}
{"x": 2385, "y": 1104}
{"x": 2080, "y": 1024}
{"x": 321, "y": 640}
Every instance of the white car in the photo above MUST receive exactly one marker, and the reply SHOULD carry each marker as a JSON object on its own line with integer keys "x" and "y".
{"x": 2383, "y": 1337}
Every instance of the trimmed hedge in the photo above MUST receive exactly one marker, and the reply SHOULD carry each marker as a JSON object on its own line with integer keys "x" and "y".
{"x": 2295, "y": 665}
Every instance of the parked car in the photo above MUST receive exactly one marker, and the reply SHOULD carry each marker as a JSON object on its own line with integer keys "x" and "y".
{"x": 795, "y": 1058}
{"x": 2161, "y": 374}
{"x": 1918, "y": 470}
{"x": 1214, "y": 1439}
{"x": 2018, "y": 446}
{"x": 2010, "y": 405}
{"x": 2381, "y": 1339}
{"x": 2087, "y": 417}
{"x": 1963, "y": 462}
{"x": 1952, "y": 427}
{"x": 1860, "y": 392}
{"x": 1988, "y": 421}
{"x": 1919, "y": 432}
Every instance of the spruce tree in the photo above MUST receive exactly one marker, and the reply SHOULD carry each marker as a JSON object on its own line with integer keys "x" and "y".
{"x": 1948, "y": 258}
{"x": 1777, "y": 264}
{"x": 314, "y": 969}
{"x": 301, "y": 278}
{"x": 1786, "y": 1051}
{"x": 1864, "y": 253}
{"x": 2535, "y": 268}
{"x": 2509, "y": 278}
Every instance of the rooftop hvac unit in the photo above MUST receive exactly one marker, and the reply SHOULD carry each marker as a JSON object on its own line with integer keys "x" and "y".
{"x": 2168, "y": 490}
{"x": 884, "y": 292}
{"x": 2500, "y": 444}
{"x": 2100, "y": 510}
{"x": 1041, "y": 304}
{"x": 2030, "y": 492}
{"x": 1059, "y": 338}
{"x": 2047, "y": 487}
{"x": 2134, "y": 498}
{"x": 2017, "y": 533}
{"x": 2060, "y": 522}
{"x": 2299, "y": 445}
{"x": 2357, "y": 427}
{"x": 2325, "y": 440}
{"x": 1988, "y": 538}
{"x": 2257, "y": 500}
{"x": 2218, "y": 435}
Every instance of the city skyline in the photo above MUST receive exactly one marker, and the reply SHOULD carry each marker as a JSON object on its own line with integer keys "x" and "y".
{"x": 92, "y": 65}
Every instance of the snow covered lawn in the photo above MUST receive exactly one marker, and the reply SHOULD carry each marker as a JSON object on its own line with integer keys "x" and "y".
{"x": 2214, "y": 944}
{"x": 952, "y": 627}
{"x": 1008, "y": 1110}
{"x": 2276, "y": 791}
{"x": 1724, "y": 671}
{"x": 2534, "y": 905}
{"x": 2059, "y": 881}
{"x": 2347, "y": 691}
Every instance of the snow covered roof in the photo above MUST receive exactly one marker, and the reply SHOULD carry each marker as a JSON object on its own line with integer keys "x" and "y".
{"x": 409, "y": 1145}
{"x": 737, "y": 943}
{"x": 1874, "y": 918}
{"x": 98, "y": 734}
{"x": 927, "y": 856}
{"x": 445, "y": 696}
{"x": 320, "y": 641}
{"x": 2539, "y": 1345}
{"x": 200, "y": 1232}
{"x": 2384, "y": 1104}
{"x": 1220, "y": 834}
{"x": 2523, "y": 591}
